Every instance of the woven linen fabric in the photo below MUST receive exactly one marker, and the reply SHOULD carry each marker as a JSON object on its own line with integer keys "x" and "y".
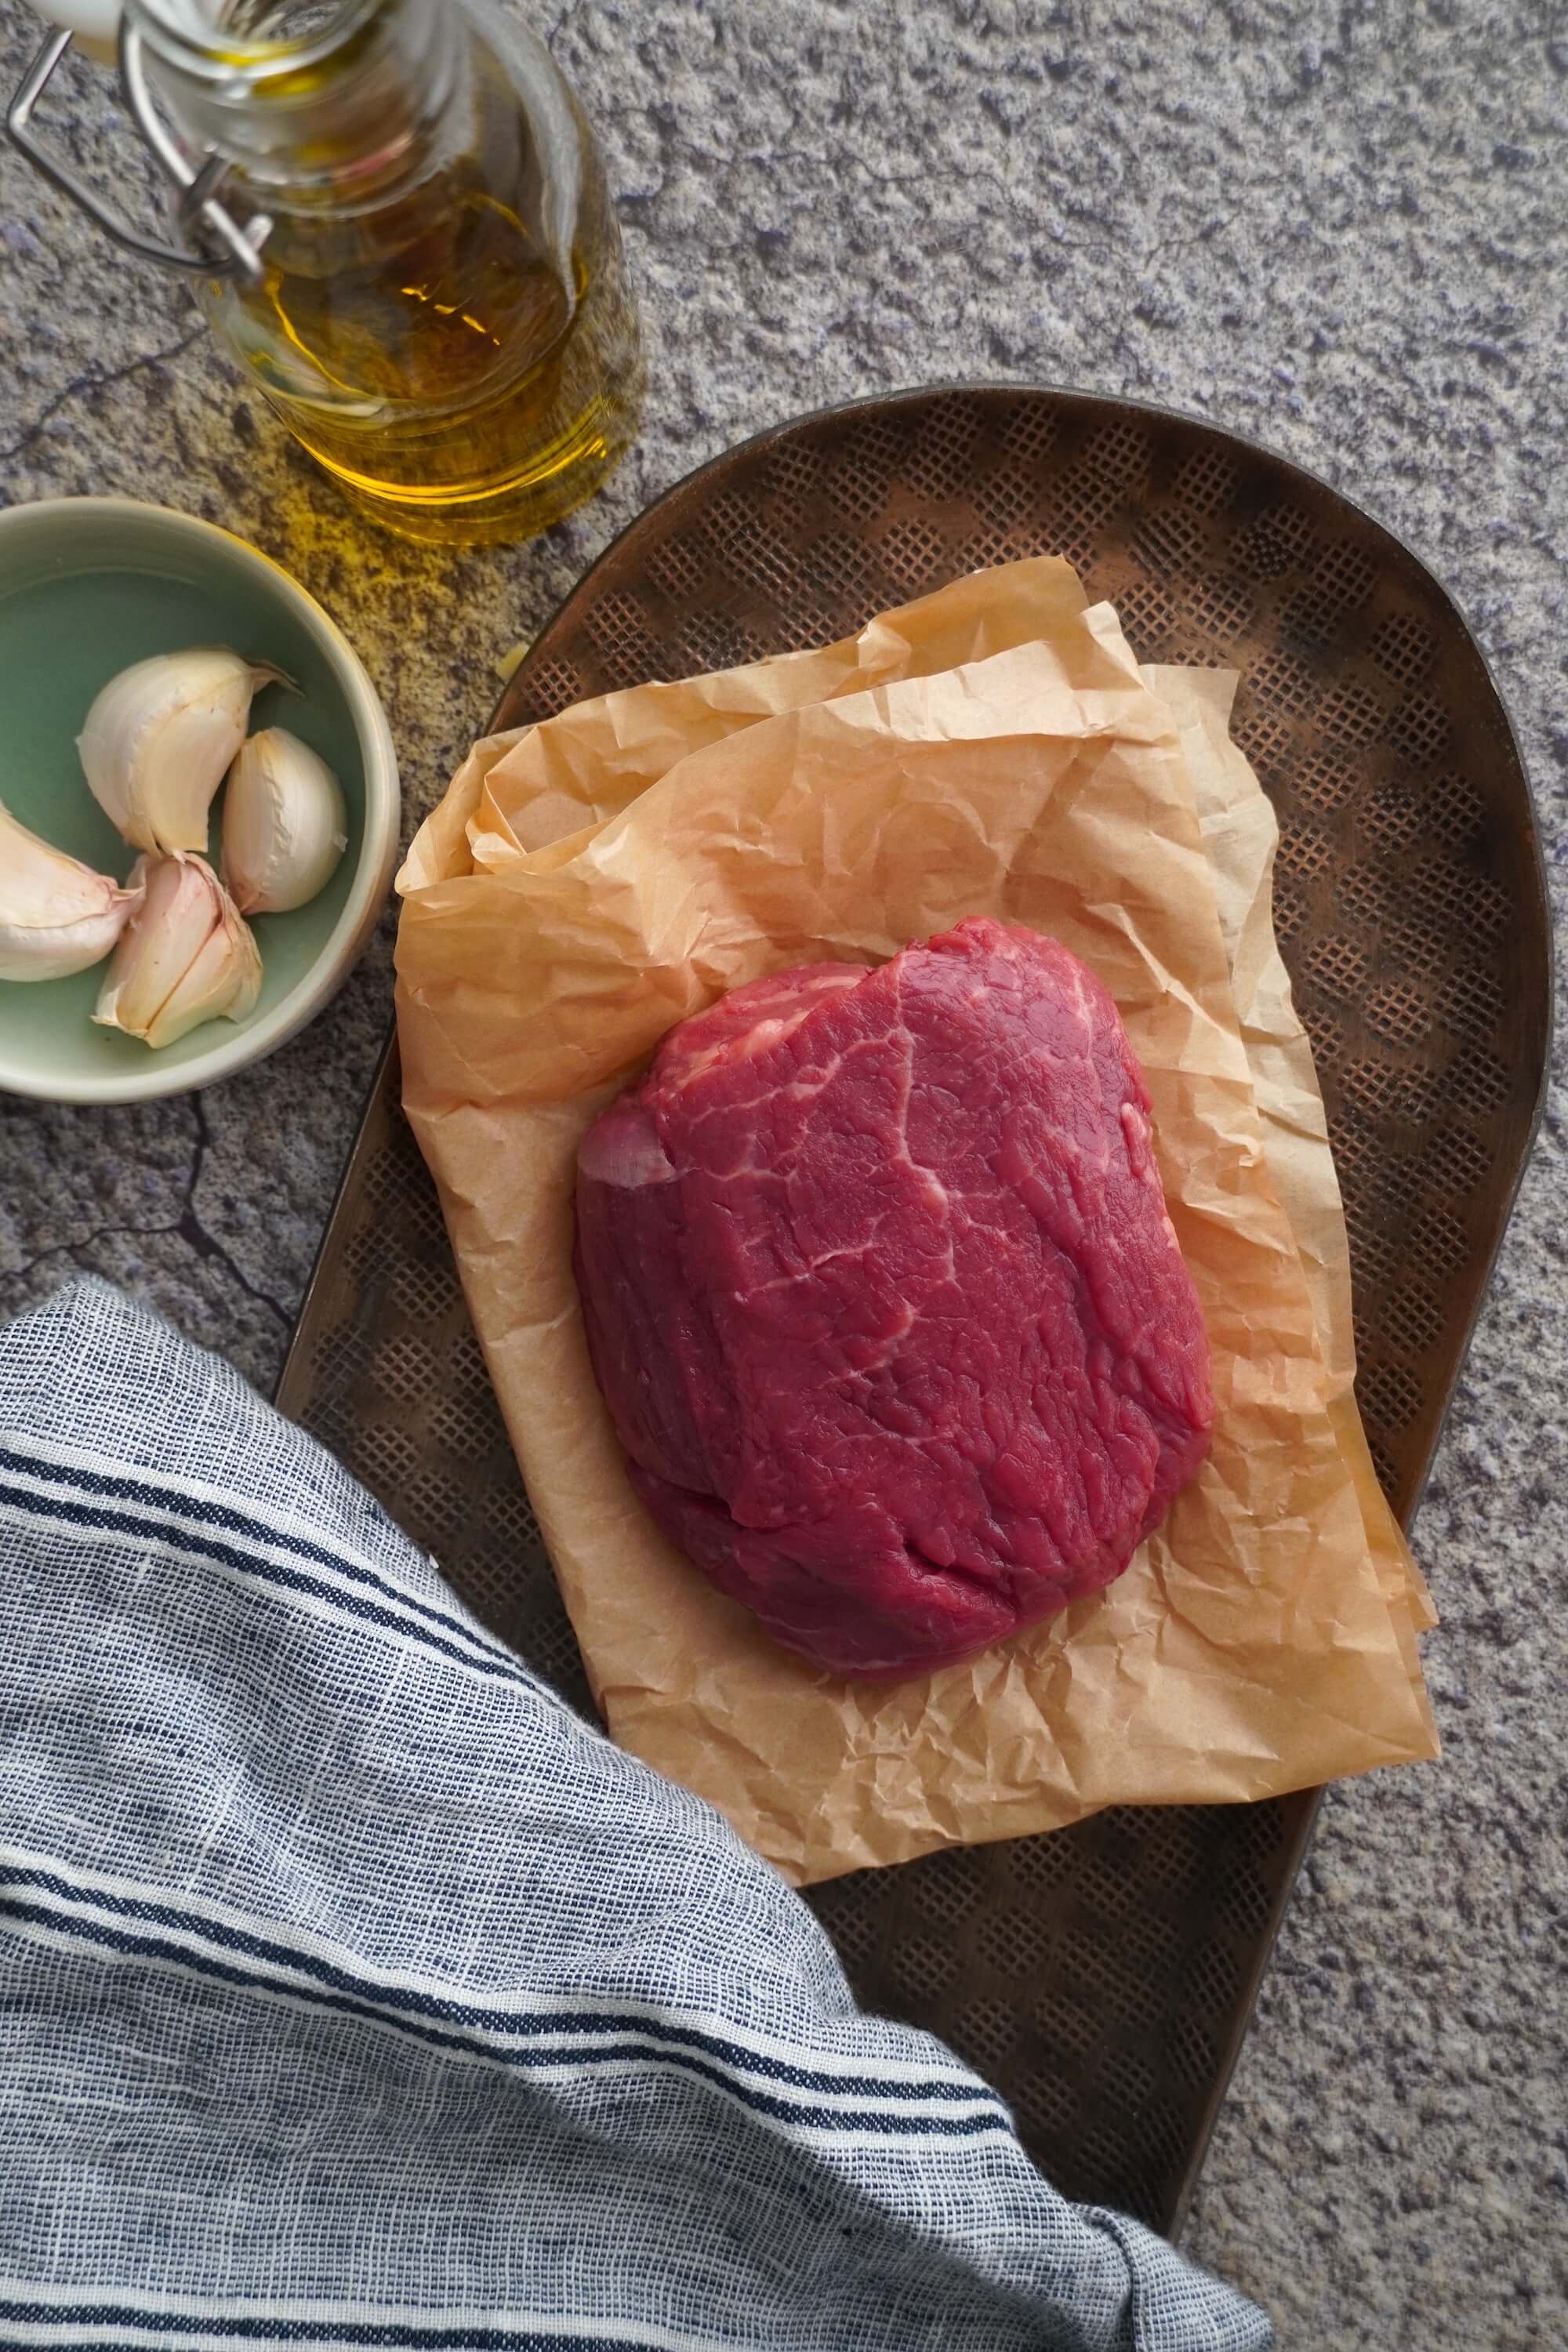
{"x": 353, "y": 1991}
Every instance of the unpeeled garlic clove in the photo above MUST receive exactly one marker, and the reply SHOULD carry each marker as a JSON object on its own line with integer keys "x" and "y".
{"x": 158, "y": 740}
{"x": 57, "y": 916}
{"x": 284, "y": 823}
{"x": 187, "y": 955}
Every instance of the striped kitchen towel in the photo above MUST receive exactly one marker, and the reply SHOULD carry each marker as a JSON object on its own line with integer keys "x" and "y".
{"x": 353, "y": 1991}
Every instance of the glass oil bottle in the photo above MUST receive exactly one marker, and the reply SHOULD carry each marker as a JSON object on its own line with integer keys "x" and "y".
{"x": 433, "y": 297}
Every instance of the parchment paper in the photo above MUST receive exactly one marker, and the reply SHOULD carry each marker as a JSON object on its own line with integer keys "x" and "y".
{"x": 1240, "y": 835}
{"x": 992, "y": 749}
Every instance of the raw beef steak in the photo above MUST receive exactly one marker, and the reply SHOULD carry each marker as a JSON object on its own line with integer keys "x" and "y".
{"x": 883, "y": 1299}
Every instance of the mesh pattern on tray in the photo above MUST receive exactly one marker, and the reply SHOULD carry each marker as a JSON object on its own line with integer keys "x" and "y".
{"x": 1100, "y": 1978}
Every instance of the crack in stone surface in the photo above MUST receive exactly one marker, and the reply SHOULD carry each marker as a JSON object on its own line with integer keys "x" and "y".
{"x": 95, "y": 382}
{"x": 192, "y": 1231}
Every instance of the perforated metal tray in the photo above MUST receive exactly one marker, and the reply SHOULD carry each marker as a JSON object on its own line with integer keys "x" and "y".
{"x": 1101, "y": 1978}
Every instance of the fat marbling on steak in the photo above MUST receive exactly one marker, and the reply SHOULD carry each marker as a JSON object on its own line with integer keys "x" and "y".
{"x": 882, "y": 1296}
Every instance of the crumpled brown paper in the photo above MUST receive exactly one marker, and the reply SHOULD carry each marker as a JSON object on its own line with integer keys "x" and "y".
{"x": 1240, "y": 835}
{"x": 992, "y": 749}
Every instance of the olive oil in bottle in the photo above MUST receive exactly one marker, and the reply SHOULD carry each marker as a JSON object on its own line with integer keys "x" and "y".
{"x": 442, "y": 316}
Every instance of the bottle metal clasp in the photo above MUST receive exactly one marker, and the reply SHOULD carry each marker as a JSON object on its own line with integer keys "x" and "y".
{"x": 234, "y": 252}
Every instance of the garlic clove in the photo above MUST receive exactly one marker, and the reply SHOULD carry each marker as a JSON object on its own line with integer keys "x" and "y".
{"x": 57, "y": 916}
{"x": 284, "y": 823}
{"x": 186, "y": 957}
{"x": 159, "y": 737}
{"x": 176, "y": 918}
{"x": 225, "y": 978}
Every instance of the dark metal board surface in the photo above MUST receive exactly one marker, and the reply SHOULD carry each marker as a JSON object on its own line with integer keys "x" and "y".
{"x": 1101, "y": 1978}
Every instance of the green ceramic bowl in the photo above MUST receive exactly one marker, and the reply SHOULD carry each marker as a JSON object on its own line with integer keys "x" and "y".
{"x": 86, "y": 586}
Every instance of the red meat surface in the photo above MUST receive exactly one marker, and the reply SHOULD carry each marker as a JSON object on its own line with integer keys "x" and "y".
{"x": 884, "y": 1302}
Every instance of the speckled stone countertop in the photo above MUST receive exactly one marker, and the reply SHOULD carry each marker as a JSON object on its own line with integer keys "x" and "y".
{"x": 1336, "y": 228}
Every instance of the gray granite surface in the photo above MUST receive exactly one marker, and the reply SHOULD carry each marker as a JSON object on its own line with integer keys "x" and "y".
{"x": 1334, "y": 223}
